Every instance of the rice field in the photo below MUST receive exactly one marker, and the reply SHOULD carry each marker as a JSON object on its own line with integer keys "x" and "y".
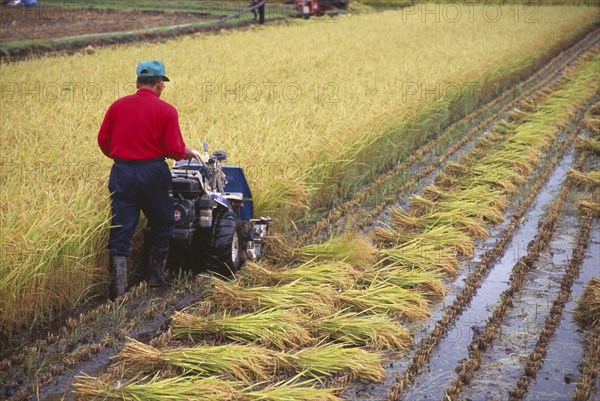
{"x": 315, "y": 317}
{"x": 51, "y": 255}
{"x": 309, "y": 326}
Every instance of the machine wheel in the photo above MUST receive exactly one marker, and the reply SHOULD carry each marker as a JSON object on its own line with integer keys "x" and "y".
{"x": 224, "y": 253}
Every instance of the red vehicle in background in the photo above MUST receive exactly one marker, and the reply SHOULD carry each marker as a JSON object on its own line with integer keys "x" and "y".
{"x": 307, "y": 8}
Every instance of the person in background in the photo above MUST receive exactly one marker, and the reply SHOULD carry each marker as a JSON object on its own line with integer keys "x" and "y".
{"x": 261, "y": 10}
{"x": 252, "y": 2}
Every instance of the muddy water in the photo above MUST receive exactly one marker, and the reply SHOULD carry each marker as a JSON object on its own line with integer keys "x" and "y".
{"x": 453, "y": 347}
{"x": 524, "y": 322}
{"x": 557, "y": 378}
{"x": 440, "y": 371}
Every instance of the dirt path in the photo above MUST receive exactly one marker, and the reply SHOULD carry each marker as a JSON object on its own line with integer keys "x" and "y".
{"x": 44, "y": 22}
{"x": 41, "y": 30}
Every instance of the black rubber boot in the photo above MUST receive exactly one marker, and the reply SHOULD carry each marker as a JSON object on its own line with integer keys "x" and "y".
{"x": 156, "y": 268}
{"x": 118, "y": 273}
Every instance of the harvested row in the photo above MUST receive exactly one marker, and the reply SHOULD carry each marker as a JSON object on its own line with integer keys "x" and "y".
{"x": 536, "y": 357}
{"x": 304, "y": 333}
{"x": 293, "y": 329}
{"x": 474, "y": 280}
{"x": 250, "y": 362}
{"x": 589, "y": 308}
{"x": 120, "y": 318}
{"x": 501, "y": 104}
{"x": 534, "y": 326}
{"x": 466, "y": 368}
{"x": 199, "y": 389}
{"x": 586, "y": 386}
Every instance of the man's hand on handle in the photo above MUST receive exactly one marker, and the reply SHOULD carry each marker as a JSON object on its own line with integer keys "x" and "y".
{"x": 191, "y": 153}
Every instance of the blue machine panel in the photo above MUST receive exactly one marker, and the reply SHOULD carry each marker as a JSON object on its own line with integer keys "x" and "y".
{"x": 236, "y": 182}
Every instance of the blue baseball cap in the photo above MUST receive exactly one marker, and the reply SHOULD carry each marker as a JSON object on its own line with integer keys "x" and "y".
{"x": 154, "y": 68}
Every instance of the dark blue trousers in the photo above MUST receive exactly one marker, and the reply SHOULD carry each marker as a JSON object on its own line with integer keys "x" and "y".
{"x": 140, "y": 185}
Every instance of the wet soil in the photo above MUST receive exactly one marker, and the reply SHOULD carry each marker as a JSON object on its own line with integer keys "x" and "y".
{"x": 453, "y": 348}
{"x": 44, "y": 22}
{"x": 536, "y": 302}
{"x": 561, "y": 369}
{"x": 524, "y": 322}
{"x": 47, "y": 370}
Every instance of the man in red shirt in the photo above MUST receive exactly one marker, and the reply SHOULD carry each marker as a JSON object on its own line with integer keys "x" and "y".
{"x": 138, "y": 132}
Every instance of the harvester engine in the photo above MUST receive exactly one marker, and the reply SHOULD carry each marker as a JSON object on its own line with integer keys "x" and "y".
{"x": 213, "y": 212}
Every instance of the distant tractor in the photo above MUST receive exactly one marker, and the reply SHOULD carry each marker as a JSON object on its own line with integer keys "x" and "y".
{"x": 308, "y": 8}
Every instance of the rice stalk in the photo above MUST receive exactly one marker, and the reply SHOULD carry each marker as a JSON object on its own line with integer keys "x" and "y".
{"x": 504, "y": 127}
{"x": 289, "y": 391}
{"x": 592, "y": 122}
{"x": 503, "y": 179}
{"x": 336, "y": 274}
{"x": 250, "y": 363}
{"x": 586, "y": 180}
{"x": 278, "y": 327}
{"x": 381, "y": 297}
{"x": 296, "y": 294}
{"x": 280, "y": 249}
{"x": 517, "y": 114}
{"x": 421, "y": 255}
{"x": 325, "y": 360}
{"x": 486, "y": 208}
{"x": 490, "y": 139}
{"x": 400, "y": 276}
{"x": 242, "y": 362}
{"x": 512, "y": 159}
{"x": 444, "y": 236}
{"x": 387, "y": 236}
{"x": 373, "y": 331}
{"x": 481, "y": 194}
{"x": 590, "y": 207}
{"x": 403, "y": 220}
{"x": 349, "y": 248}
{"x": 588, "y": 310}
{"x": 454, "y": 218}
{"x": 154, "y": 389}
{"x": 590, "y": 145}
{"x": 204, "y": 389}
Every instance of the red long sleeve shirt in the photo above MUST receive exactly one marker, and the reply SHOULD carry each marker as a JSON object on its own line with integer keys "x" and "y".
{"x": 141, "y": 127}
